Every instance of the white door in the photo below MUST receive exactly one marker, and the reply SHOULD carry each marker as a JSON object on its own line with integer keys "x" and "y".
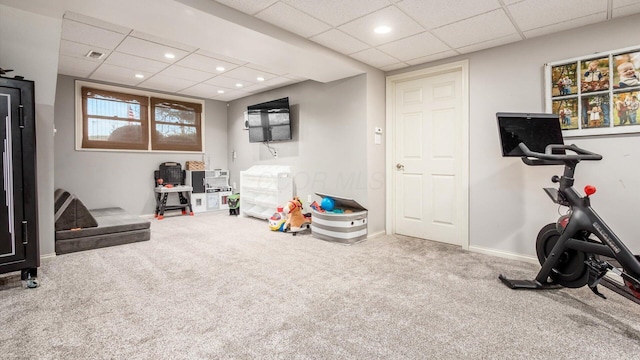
{"x": 429, "y": 128}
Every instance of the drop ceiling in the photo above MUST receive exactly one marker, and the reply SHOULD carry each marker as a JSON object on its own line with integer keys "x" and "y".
{"x": 127, "y": 53}
{"x": 287, "y": 41}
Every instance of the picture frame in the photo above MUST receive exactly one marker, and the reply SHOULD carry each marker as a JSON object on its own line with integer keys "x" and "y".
{"x": 596, "y": 94}
{"x": 595, "y": 75}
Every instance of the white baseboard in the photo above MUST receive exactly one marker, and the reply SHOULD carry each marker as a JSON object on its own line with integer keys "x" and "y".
{"x": 504, "y": 254}
{"x": 47, "y": 256}
{"x": 376, "y": 234}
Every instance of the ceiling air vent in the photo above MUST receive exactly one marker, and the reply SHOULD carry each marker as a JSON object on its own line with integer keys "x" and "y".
{"x": 94, "y": 55}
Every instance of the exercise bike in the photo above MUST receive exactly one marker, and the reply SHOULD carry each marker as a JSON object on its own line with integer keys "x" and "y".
{"x": 579, "y": 249}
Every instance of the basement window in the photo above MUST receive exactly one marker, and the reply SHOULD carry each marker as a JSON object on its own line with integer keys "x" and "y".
{"x": 114, "y": 118}
{"x": 176, "y": 125}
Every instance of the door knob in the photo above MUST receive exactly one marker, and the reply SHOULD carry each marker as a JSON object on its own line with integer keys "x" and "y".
{"x": 399, "y": 166}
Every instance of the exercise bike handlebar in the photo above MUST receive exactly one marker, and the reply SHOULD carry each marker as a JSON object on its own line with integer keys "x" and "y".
{"x": 549, "y": 158}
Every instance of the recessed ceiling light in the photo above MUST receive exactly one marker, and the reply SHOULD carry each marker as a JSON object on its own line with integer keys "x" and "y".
{"x": 169, "y": 56}
{"x": 220, "y": 68}
{"x": 238, "y": 85}
{"x": 382, "y": 29}
{"x": 220, "y": 91}
{"x": 139, "y": 76}
{"x": 260, "y": 78}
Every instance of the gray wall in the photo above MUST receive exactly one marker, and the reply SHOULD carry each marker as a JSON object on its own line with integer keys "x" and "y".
{"x": 507, "y": 204}
{"x": 328, "y": 152}
{"x": 376, "y": 184}
{"x": 32, "y": 51}
{"x": 123, "y": 179}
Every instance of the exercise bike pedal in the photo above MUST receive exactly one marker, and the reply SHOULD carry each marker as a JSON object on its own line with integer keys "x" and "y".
{"x": 595, "y": 290}
{"x": 525, "y": 284}
{"x": 597, "y": 270}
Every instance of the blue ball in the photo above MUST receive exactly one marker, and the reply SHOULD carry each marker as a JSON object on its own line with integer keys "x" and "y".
{"x": 328, "y": 203}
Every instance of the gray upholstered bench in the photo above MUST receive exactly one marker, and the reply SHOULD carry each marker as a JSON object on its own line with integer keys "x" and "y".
{"x": 115, "y": 227}
{"x": 79, "y": 229}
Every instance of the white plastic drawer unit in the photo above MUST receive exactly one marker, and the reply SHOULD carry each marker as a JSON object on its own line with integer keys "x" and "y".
{"x": 263, "y": 188}
{"x": 348, "y": 228}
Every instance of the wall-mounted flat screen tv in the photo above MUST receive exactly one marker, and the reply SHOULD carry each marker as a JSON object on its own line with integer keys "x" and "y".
{"x": 534, "y": 130}
{"x": 269, "y": 121}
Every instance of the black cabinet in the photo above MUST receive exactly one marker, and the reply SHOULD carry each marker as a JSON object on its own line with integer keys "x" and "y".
{"x": 18, "y": 197}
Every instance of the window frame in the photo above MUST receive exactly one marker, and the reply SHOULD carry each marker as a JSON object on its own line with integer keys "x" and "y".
{"x": 81, "y": 129}
{"x": 197, "y": 108}
{"x": 114, "y": 145}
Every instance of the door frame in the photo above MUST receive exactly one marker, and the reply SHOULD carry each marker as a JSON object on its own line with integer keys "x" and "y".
{"x": 391, "y": 82}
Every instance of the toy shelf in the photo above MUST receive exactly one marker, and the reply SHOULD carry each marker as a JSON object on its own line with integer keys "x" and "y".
{"x": 263, "y": 188}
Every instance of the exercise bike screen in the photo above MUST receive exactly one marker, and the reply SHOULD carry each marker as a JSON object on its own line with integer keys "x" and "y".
{"x": 534, "y": 130}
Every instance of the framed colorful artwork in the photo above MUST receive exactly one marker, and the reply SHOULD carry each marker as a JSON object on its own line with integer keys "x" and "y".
{"x": 595, "y": 94}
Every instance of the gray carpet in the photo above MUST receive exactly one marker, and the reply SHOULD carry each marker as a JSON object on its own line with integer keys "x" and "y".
{"x": 216, "y": 286}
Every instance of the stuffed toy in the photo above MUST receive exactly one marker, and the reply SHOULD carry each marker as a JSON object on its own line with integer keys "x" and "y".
{"x": 296, "y": 221}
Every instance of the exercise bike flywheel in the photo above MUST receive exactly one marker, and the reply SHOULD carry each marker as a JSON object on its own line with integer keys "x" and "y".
{"x": 570, "y": 270}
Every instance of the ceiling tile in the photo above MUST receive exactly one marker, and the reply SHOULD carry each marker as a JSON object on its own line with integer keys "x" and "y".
{"x": 220, "y": 57}
{"x": 248, "y": 75}
{"x": 150, "y": 50}
{"x": 134, "y": 62}
{"x": 205, "y": 63}
{"x": 565, "y": 25}
{"x": 338, "y": 12}
{"x": 434, "y": 57}
{"x": 491, "y": 43}
{"x": 70, "y": 15}
{"x": 447, "y": 11}
{"x": 488, "y": 26}
{"x": 255, "y": 88}
{"x": 401, "y": 25}
{"x": 375, "y": 58}
{"x": 90, "y": 35}
{"x": 225, "y": 82}
{"x": 73, "y": 66}
{"x": 166, "y": 83}
{"x": 231, "y": 95}
{"x": 249, "y": 7}
{"x": 406, "y": 48}
{"x": 180, "y": 72}
{"x": 295, "y": 77}
{"x": 203, "y": 90}
{"x": 158, "y": 40}
{"x": 78, "y": 50}
{"x": 394, "y": 66}
{"x": 533, "y": 14}
{"x": 340, "y": 42}
{"x": 265, "y": 69}
{"x": 625, "y": 8}
{"x": 622, "y": 3}
{"x": 280, "y": 81}
{"x": 118, "y": 75}
{"x": 292, "y": 19}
